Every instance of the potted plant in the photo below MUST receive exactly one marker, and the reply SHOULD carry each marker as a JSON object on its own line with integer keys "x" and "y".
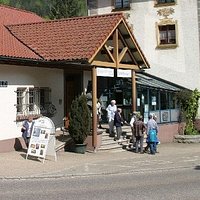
{"x": 79, "y": 122}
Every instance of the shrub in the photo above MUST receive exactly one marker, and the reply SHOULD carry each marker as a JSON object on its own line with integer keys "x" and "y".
{"x": 79, "y": 119}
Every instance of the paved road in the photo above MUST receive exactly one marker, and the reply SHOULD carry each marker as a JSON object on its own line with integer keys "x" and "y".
{"x": 14, "y": 165}
{"x": 171, "y": 184}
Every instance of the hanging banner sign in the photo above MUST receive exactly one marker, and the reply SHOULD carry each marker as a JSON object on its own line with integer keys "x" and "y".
{"x": 106, "y": 72}
{"x": 123, "y": 73}
{"x": 42, "y": 141}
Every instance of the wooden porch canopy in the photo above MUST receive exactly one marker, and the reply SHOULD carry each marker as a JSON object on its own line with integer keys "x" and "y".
{"x": 118, "y": 50}
{"x": 83, "y": 43}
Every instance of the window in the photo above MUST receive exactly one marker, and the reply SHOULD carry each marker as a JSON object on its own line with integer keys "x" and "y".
{"x": 122, "y": 4}
{"x": 163, "y": 2}
{"x": 20, "y": 99}
{"x": 32, "y": 100}
{"x": 167, "y": 35}
{"x": 44, "y": 99}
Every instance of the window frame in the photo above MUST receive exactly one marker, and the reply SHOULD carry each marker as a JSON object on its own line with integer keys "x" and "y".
{"x": 167, "y": 45}
{"x": 28, "y": 101}
{"x": 157, "y": 4}
{"x": 122, "y": 7}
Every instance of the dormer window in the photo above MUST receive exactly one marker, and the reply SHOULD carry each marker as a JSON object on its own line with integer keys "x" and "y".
{"x": 164, "y": 2}
{"x": 122, "y": 4}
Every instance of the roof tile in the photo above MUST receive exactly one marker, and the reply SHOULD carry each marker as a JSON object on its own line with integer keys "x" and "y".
{"x": 67, "y": 39}
{"x": 9, "y": 45}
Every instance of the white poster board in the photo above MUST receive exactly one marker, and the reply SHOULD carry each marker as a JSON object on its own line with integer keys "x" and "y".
{"x": 105, "y": 72}
{"x": 42, "y": 141}
{"x": 124, "y": 73}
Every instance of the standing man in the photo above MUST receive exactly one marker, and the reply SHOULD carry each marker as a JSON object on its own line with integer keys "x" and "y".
{"x": 27, "y": 130}
{"x": 152, "y": 130}
{"x": 133, "y": 120}
{"x": 140, "y": 129}
{"x": 111, "y": 109}
{"x": 118, "y": 123}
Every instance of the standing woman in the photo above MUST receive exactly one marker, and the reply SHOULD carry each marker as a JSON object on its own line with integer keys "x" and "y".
{"x": 152, "y": 130}
{"x": 111, "y": 109}
{"x": 27, "y": 130}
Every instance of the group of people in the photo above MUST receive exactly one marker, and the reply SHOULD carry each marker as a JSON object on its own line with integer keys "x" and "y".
{"x": 138, "y": 127}
{"x": 115, "y": 119}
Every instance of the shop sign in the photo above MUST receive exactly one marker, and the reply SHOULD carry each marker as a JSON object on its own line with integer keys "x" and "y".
{"x": 123, "y": 73}
{"x": 105, "y": 72}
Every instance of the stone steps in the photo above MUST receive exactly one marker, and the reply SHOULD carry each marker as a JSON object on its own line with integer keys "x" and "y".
{"x": 109, "y": 144}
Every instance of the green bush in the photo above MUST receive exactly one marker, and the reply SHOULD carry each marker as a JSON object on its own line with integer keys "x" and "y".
{"x": 79, "y": 119}
{"x": 189, "y": 102}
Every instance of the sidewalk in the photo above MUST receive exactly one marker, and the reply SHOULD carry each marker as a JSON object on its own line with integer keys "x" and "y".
{"x": 15, "y": 166}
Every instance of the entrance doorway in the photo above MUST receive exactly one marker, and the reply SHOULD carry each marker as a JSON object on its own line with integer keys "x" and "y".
{"x": 73, "y": 85}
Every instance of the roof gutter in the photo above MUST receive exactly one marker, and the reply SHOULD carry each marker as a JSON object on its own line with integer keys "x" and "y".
{"x": 42, "y": 63}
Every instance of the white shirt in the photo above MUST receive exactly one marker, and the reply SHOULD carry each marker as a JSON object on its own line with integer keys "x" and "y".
{"x": 132, "y": 121}
{"x": 111, "y": 112}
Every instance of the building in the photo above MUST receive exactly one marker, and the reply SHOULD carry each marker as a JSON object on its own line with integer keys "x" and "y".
{"x": 168, "y": 33}
{"x": 45, "y": 64}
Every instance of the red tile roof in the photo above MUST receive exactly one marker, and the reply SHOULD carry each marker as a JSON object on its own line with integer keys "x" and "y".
{"x": 9, "y": 45}
{"x": 67, "y": 39}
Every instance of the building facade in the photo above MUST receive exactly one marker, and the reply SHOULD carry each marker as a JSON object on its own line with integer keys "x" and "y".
{"x": 168, "y": 33}
{"x": 44, "y": 65}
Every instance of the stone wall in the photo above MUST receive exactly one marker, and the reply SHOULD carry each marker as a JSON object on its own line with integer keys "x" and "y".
{"x": 187, "y": 138}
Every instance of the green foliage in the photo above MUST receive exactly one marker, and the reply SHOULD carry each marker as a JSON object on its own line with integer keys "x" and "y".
{"x": 67, "y": 8}
{"x": 51, "y": 9}
{"x": 189, "y": 102}
{"x": 79, "y": 120}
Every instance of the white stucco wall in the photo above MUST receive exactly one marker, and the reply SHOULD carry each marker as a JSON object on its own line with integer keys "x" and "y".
{"x": 18, "y": 76}
{"x": 180, "y": 65}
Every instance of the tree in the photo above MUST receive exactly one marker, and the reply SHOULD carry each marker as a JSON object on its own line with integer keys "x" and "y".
{"x": 66, "y": 8}
{"x": 79, "y": 120}
{"x": 51, "y": 9}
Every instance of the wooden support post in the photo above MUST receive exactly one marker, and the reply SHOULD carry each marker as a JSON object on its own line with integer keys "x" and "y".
{"x": 134, "y": 97}
{"x": 94, "y": 108}
{"x": 116, "y": 47}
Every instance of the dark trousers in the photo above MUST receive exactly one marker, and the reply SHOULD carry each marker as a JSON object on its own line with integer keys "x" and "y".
{"x": 139, "y": 139}
{"x": 27, "y": 141}
{"x": 119, "y": 132}
{"x": 153, "y": 147}
{"x": 111, "y": 127}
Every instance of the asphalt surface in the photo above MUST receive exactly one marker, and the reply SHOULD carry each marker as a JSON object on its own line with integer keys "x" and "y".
{"x": 14, "y": 165}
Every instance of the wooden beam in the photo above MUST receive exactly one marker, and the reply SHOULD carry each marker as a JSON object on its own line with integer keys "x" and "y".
{"x": 121, "y": 55}
{"x": 106, "y": 39}
{"x": 127, "y": 66}
{"x": 111, "y": 56}
{"x": 134, "y": 97}
{"x": 133, "y": 50}
{"x": 94, "y": 108}
{"x": 103, "y": 64}
{"x": 136, "y": 45}
{"x": 124, "y": 42}
{"x": 116, "y": 46}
